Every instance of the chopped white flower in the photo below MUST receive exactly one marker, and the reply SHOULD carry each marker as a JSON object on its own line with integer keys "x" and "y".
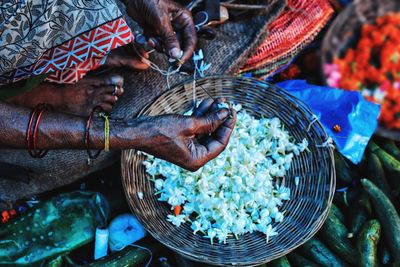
{"x": 211, "y": 233}
{"x": 241, "y": 190}
{"x": 223, "y": 105}
{"x": 196, "y": 226}
{"x": 158, "y": 184}
{"x": 176, "y": 220}
{"x": 270, "y": 232}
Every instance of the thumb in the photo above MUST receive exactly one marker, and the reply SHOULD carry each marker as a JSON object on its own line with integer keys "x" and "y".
{"x": 210, "y": 122}
{"x": 170, "y": 41}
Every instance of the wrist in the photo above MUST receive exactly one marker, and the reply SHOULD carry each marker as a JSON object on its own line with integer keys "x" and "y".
{"x": 126, "y": 134}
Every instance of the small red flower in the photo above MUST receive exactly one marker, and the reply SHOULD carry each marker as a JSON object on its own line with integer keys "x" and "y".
{"x": 5, "y": 216}
{"x": 337, "y": 128}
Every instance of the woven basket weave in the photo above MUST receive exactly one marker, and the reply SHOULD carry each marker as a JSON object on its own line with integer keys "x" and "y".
{"x": 227, "y": 53}
{"x": 311, "y": 199}
{"x": 345, "y": 33}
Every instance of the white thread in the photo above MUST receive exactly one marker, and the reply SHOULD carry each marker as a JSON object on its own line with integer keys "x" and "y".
{"x": 327, "y": 143}
{"x": 315, "y": 119}
{"x": 148, "y": 250}
{"x": 197, "y": 26}
{"x": 168, "y": 75}
{"x": 199, "y": 69}
{"x": 170, "y": 72}
{"x": 194, "y": 88}
{"x": 155, "y": 67}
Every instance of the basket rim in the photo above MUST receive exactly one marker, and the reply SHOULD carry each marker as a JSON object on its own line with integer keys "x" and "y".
{"x": 324, "y": 214}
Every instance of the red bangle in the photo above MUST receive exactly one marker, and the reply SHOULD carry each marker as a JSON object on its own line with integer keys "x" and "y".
{"x": 87, "y": 136}
{"x": 32, "y": 131}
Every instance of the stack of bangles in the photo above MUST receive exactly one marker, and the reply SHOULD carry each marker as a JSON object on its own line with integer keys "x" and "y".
{"x": 33, "y": 128}
{"x": 32, "y": 131}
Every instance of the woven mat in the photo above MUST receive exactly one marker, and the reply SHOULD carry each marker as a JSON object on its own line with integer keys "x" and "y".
{"x": 227, "y": 53}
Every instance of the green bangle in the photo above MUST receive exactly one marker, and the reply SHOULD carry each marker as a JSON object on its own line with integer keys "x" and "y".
{"x": 106, "y": 131}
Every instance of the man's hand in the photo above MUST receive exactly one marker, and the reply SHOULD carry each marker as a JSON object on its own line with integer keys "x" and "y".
{"x": 189, "y": 141}
{"x": 162, "y": 18}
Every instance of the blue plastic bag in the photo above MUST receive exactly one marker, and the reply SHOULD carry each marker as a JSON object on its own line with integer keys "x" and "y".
{"x": 357, "y": 117}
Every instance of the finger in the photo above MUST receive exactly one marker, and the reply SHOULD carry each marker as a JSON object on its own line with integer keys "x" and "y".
{"x": 217, "y": 101}
{"x": 140, "y": 52}
{"x": 170, "y": 40}
{"x": 107, "y": 107}
{"x": 110, "y": 99}
{"x": 217, "y": 142}
{"x": 203, "y": 107}
{"x": 208, "y": 124}
{"x": 184, "y": 22}
{"x": 228, "y": 123}
{"x": 115, "y": 79}
{"x": 137, "y": 63}
{"x": 114, "y": 90}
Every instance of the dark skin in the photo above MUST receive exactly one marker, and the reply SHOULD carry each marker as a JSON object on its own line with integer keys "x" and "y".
{"x": 160, "y": 18}
{"x": 77, "y": 99}
{"x": 163, "y": 18}
{"x": 188, "y": 141}
{"x": 171, "y": 137}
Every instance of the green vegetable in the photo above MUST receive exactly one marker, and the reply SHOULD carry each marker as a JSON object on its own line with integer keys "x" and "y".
{"x": 346, "y": 198}
{"x": 388, "y": 161}
{"x": 281, "y": 262}
{"x": 335, "y": 236}
{"x": 360, "y": 212}
{"x": 338, "y": 213}
{"x": 298, "y": 260}
{"x": 394, "y": 181}
{"x": 184, "y": 262}
{"x": 57, "y": 262}
{"x": 343, "y": 171}
{"x": 316, "y": 251}
{"x": 367, "y": 243}
{"x": 384, "y": 254}
{"x": 388, "y": 215}
{"x": 128, "y": 257}
{"x": 391, "y": 148}
{"x": 376, "y": 173}
{"x": 53, "y": 227}
{"x": 359, "y": 218}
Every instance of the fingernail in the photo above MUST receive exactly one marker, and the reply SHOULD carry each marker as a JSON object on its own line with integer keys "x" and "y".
{"x": 117, "y": 79}
{"x": 145, "y": 61}
{"x": 175, "y": 53}
{"x": 151, "y": 42}
{"x": 222, "y": 114}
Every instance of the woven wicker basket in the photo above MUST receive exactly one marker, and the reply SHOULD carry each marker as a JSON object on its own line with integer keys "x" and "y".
{"x": 311, "y": 199}
{"x": 345, "y": 32}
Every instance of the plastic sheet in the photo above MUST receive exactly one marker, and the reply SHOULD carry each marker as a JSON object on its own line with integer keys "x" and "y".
{"x": 52, "y": 228}
{"x": 125, "y": 229}
{"x": 356, "y": 117}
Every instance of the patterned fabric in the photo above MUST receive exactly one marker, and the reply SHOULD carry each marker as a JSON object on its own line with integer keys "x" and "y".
{"x": 295, "y": 28}
{"x": 63, "y": 38}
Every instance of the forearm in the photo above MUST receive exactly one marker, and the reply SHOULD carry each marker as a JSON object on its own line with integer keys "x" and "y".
{"x": 62, "y": 131}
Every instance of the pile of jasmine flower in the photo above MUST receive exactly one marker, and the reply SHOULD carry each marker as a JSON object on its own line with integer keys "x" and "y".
{"x": 239, "y": 191}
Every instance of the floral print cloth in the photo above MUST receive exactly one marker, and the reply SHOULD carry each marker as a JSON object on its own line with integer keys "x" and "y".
{"x": 61, "y": 38}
